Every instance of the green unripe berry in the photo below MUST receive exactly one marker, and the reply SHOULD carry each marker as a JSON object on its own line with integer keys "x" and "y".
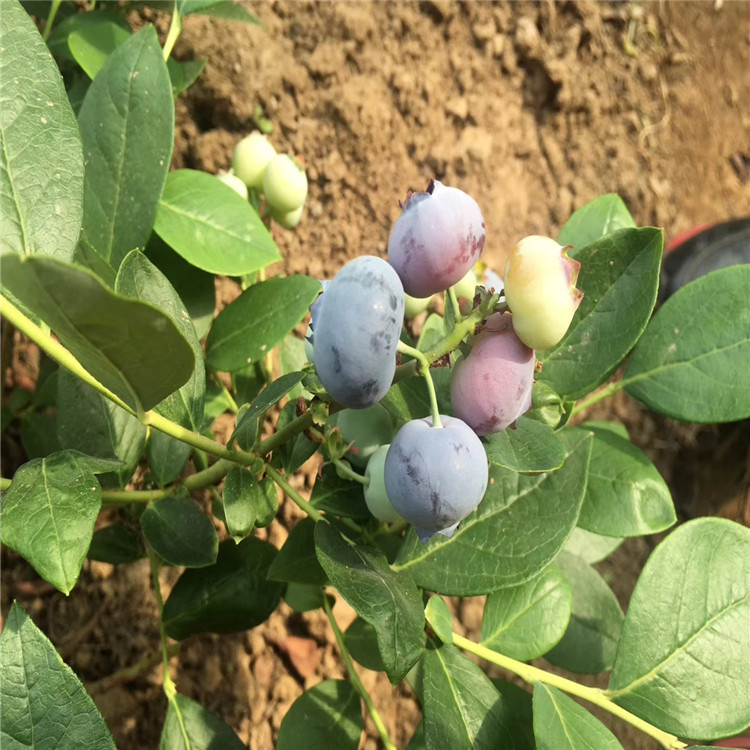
{"x": 376, "y": 496}
{"x": 413, "y": 306}
{"x": 234, "y": 182}
{"x": 366, "y": 429}
{"x": 467, "y": 286}
{"x": 284, "y": 184}
{"x": 251, "y": 157}
{"x": 288, "y": 219}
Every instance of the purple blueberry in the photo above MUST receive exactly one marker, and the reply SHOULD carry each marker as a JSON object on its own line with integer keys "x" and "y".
{"x": 357, "y": 328}
{"x": 436, "y": 240}
{"x": 491, "y": 386}
{"x": 435, "y": 477}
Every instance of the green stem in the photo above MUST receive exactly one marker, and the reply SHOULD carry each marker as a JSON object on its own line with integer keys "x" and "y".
{"x": 354, "y": 677}
{"x": 128, "y": 674}
{"x": 600, "y": 395}
{"x": 54, "y": 7}
{"x": 424, "y": 370}
{"x": 300, "y": 424}
{"x": 170, "y": 689}
{"x": 175, "y": 28}
{"x": 450, "y": 293}
{"x": 533, "y": 675}
{"x": 293, "y": 495}
{"x": 344, "y": 469}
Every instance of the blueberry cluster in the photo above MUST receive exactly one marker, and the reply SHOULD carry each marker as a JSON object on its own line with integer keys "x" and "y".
{"x": 433, "y": 472}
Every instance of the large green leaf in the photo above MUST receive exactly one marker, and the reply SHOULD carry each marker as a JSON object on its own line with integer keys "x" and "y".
{"x": 90, "y": 423}
{"x": 257, "y": 320}
{"x": 231, "y": 595}
{"x": 116, "y": 544}
{"x": 297, "y": 561}
{"x": 129, "y": 346}
{"x": 41, "y": 158}
{"x": 693, "y": 362}
{"x": 205, "y": 730}
{"x": 91, "y": 44}
{"x": 590, "y": 642}
{"x": 389, "y": 601}
{"x": 625, "y": 495}
{"x": 180, "y": 532}
{"x": 684, "y": 658}
{"x": 532, "y": 447}
{"x": 592, "y": 548}
{"x": 49, "y": 512}
{"x": 561, "y": 724}
{"x": 339, "y": 496}
{"x": 518, "y": 529}
{"x": 597, "y": 218}
{"x": 140, "y": 279}
{"x": 127, "y": 126}
{"x": 619, "y": 278}
{"x": 526, "y": 621}
{"x": 362, "y": 641}
{"x": 211, "y": 226}
{"x": 327, "y": 715}
{"x": 462, "y": 709}
{"x": 58, "y": 39}
{"x": 42, "y": 703}
{"x": 246, "y": 502}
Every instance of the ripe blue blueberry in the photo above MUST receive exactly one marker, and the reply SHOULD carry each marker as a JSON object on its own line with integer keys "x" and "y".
{"x": 435, "y": 477}
{"x": 436, "y": 240}
{"x": 357, "y": 328}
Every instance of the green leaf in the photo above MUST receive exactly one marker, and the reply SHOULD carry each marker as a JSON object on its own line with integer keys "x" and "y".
{"x": 389, "y": 601}
{"x": 39, "y": 434}
{"x": 58, "y": 39}
{"x": 526, "y": 621}
{"x": 362, "y": 641}
{"x": 531, "y": 448}
{"x": 211, "y": 226}
{"x": 93, "y": 43}
{"x": 625, "y": 495}
{"x": 461, "y": 707}
{"x": 693, "y": 362}
{"x": 48, "y": 515}
{"x": 180, "y": 532}
{"x": 341, "y": 497}
{"x": 205, "y": 730}
{"x": 619, "y": 278}
{"x": 601, "y": 216}
{"x": 227, "y": 597}
{"x": 245, "y": 502}
{"x": 42, "y": 703}
{"x": 684, "y": 658}
{"x": 183, "y": 74}
{"x": 518, "y": 705}
{"x": 408, "y": 399}
{"x": 258, "y": 320}
{"x": 592, "y": 548}
{"x": 166, "y": 456}
{"x": 439, "y": 618}
{"x": 518, "y": 529}
{"x": 127, "y": 161}
{"x": 86, "y": 255}
{"x": 224, "y": 9}
{"x": 432, "y": 331}
{"x": 129, "y": 346}
{"x": 90, "y": 423}
{"x": 296, "y": 451}
{"x": 561, "y": 724}
{"x": 248, "y": 420}
{"x": 140, "y": 279}
{"x": 41, "y": 158}
{"x": 327, "y": 715}
{"x": 296, "y": 561}
{"x": 303, "y": 597}
{"x": 292, "y": 358}
{"x": 116, "y": 544}
{"x": 196, "y": 288}
{"x": 590, "y": 642}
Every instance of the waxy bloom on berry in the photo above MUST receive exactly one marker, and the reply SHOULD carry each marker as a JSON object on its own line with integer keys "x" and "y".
{"x": 540, "y": 290}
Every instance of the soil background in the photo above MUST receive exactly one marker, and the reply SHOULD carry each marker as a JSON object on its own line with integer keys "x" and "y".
{"x": 533, "y": 109}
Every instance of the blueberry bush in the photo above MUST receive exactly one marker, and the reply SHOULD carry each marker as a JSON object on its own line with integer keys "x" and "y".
{"x": 454, "y": 463}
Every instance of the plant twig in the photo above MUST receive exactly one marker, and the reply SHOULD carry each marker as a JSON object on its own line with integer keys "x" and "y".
{"x": 128, "y": 674}
{"x": 54, "y": 7}
{"x": 175, "y": 29}
{"x": 533, "y": 675}
{"x": 354, "y": 677}
{"x": 293, "y": 495}
{"x": 423, "y": 369}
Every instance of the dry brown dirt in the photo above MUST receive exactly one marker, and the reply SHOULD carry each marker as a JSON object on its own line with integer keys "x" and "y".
{"x": 533, "y": 109}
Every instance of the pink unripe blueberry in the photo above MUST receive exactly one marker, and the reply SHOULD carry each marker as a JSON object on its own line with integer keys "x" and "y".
{"x": 540, "y": 290}
{"x": 250, "y": 158}
{"x": 284, "y": 183}
{"x": 436, "y": 240}
{"x": 491, "y": 386}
